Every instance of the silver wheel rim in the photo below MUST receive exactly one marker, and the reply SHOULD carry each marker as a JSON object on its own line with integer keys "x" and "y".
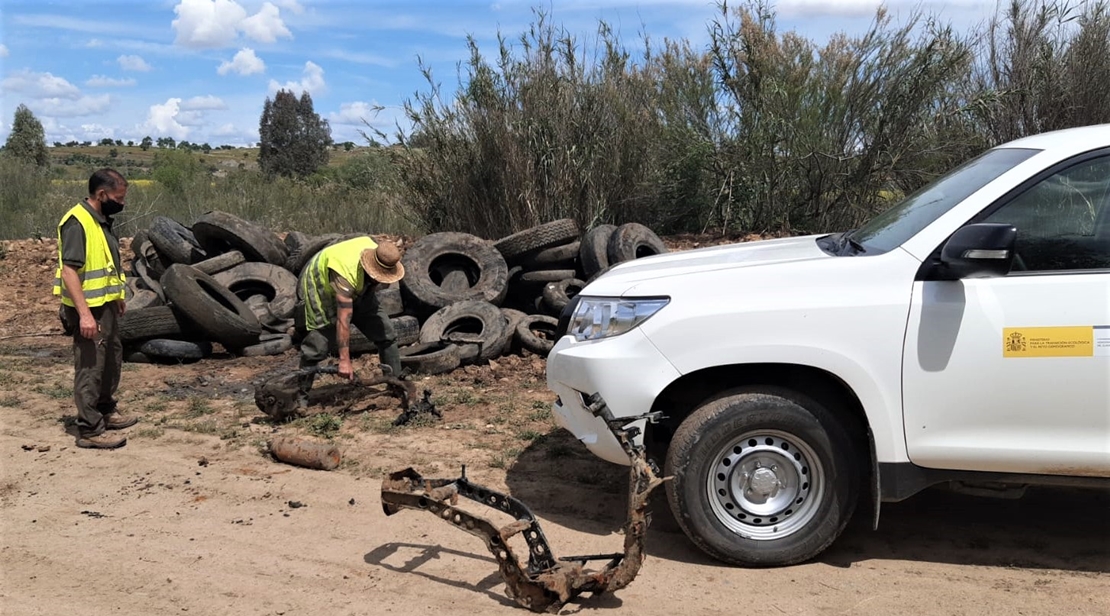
{"x": 765, "y": 485}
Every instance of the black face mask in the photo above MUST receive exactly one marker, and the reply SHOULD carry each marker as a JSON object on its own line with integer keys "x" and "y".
{"x": 111, "y": 207}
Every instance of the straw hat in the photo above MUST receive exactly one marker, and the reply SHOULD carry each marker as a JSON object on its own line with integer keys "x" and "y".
{"x": 383, "y": 263}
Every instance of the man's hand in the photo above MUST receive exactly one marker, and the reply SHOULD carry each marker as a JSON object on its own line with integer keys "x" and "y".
{"x": 345, "y": 369}
{"x": 88, "y": 326}
{"x": 121, "y": 307}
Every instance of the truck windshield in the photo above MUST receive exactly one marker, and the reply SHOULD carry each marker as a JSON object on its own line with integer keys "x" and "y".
{"x": 904, "y": 220}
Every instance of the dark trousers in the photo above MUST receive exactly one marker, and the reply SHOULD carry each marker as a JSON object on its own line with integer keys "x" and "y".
{"x": 371, "y": 320}
{"x": 96, "y": 368}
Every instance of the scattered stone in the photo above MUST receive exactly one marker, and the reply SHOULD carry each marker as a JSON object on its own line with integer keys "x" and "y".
{"x": 351, "y": 502}
{"x": 295, "y": 504}
{"x": 29, "y": 447}
{"x": 203, "y": 461}
{"x": 43, "y": 448}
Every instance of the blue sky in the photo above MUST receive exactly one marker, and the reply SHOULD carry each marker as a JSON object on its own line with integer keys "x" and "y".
{"x": 201, "y": 69}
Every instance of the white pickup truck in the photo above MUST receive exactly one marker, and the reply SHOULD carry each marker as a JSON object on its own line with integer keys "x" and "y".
{"x": 960, "y": 337}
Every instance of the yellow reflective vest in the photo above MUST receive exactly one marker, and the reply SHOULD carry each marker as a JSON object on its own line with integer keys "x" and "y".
{"x": 101, "y": 280}
{"x": 316, "y": 289}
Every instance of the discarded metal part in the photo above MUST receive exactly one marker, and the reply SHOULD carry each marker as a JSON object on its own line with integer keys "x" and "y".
{"x": 302, "y": 452}
{"x": 424, "y": 406}
{"x": 546, "y": 583}
{"x": 277, "y": 397}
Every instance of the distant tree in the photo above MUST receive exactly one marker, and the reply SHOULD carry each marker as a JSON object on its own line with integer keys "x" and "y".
{"x": 146, "y": 143}
{"x": 27, "y": 141}
{"x": 106, "y": 142}
{"x": 130, "y": 144}
{"x": 206, "y": 148}
{"x": 167, "y": 142}
{"x": 175, "y": 169}
{"x": 348, "y": 146}
{"x": 184, "y": 145}
{"x": 119, "y": 143}
{"x": 72, "y": 144}
{"x": 113, "y": 153}
{"x": 294, "y": 139}
{"x": 86, "y": 144}
{"x": 57, "y": 144}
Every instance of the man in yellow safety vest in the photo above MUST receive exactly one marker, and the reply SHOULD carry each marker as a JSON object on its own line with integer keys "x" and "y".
{"x": 90, "y": 282}
{"x": 337, "y": 287}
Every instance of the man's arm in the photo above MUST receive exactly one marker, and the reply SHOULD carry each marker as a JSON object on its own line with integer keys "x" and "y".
{"x": 72, "y": 282}
{"x": 344, "y": 311}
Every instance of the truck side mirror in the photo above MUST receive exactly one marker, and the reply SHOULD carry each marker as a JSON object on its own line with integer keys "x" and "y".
{"x": 982, "y": 250}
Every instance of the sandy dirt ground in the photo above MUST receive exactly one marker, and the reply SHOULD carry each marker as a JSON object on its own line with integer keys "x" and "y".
{"x": 193, "y": 517}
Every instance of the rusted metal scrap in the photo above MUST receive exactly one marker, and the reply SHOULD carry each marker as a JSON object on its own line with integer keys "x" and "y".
{"x": 546, "y": 583}
{"x": 277, "y": 397}
{"x": 306, "y": 453}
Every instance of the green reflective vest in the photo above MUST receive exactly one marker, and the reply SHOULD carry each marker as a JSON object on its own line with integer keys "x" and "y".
{"x": 101, "y": 281}
{"x": 316, "y": 288}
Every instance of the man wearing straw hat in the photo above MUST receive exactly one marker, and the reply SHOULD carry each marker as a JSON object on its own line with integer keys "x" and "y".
{"x": 337, "y": 286}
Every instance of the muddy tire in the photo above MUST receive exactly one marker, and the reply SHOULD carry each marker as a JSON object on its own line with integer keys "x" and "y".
{"x": 519, "y": 246}
{"x": 634, "y": 241}
{"x": 557, "y": 295}
{"x": 155, "y": 322}
{"x": 175, "y": 351}
{"x": 146, "y": 278}
{"x": 220, "y": 232}
{"x": 173, "y": 240}
{"x": 132, "y": 356}
{"x": 593, "y": 256}
{"x": 405, "y": 329}
{"x": 544, "y": 277}
{"x": 537, "y": 333}
{"x": 299, "y": 258}
{"x": 438, "y": 253}
{"x": 294, "y": 241}
{"x": 727, "y": 455}
{"x": 219, "y": 263}
{"x": 430, "y": 358}
{"x": 472, "y": 321}
{"x": 276, "y": 345}
{"x": 558, "y": 257}
{"x": 274, "y": 282}
{"x": 155, "y": 262}
{"x": 514, "y": 318}
{"x": 143, "y": 298}
{"x": 211, "y": 306}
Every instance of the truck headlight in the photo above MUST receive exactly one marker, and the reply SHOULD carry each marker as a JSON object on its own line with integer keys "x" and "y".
{"x": 604, "y": 317}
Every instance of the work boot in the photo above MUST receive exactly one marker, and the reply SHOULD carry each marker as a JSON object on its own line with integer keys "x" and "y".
{"x": 101, "y": 441}
{"x": 119, "y": 421}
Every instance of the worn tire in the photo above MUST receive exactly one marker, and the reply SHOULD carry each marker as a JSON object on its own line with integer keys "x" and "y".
{"x": 634, "y": 241}
{"x": 593, "y": 256}
{"x": 272, "y": 281}
{"x": 143, "y": 298}
{"x": 471, "y": 321}
{"x": 175, "y": 241}
{"x": 294, "y": 241}
{"x": 486, "y": 271}
{"x": 154, "y": 322}
{"x": 557, "y": 295}
{"x": 132, "y": 356}
{"x": 518, "y": 246}
{"x": 154, "y": 260}
{"x": 175, "y": 351}
{"x": 544, "y": 277}
{"x": 211, "y": 306}
{"x": 297, "y": 259}
{"x": 147, "y": 279}
{"x": 273, "y": 346}
{"x": 220, "y": 232}
{"x": 219, "y": 263}
{"x": 405, "y": 329}
{"x": 558, "y": 257}
{"x": 801, "y": 446}
{"x": 537, "y": 333}
{"x": 430, "y": 358}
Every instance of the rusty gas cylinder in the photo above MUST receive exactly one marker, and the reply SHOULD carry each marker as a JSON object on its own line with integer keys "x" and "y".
{"x": 303, "y": 452}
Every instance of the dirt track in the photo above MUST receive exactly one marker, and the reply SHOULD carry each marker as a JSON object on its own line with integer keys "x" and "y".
{"x": 191, "y": 517}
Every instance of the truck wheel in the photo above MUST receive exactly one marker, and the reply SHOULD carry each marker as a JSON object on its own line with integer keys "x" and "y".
{"x": 762, "y": 477}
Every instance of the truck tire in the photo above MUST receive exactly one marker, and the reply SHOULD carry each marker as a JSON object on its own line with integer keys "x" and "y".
{"x": 762, "y": 477}
{"x": 439, "y": 253}
{"x": 558, "y": 257}
{"x": 272, "y": 281}
{"x": 143, "y": 298}
{"x": 557, "y": 295}
{"x": 154, "y": 322}
{"x": 634, "y": 241}
{"x": 211, "y": 306}
{"x": 471, "y": 321}
{"x": 518, "y": 246}
{"x": 175, "y": 351}
{"x": 594, "y": 253}
{"x": 220, "y": 232}
{"x": 537, "y": 333}
{"x": 219, "y": 263}
{"x": 274, "y": 345}
{"x": 298, "y": 258}
{"x": 430, "y": 358}
{"x": 174, "y": 240}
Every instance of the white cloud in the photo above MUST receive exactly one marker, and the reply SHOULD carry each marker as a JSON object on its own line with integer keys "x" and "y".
{"x": 244, "y": 63}
{"x": 162, "y": 120}
{"x": 3, "y": 50}
{"x": 100, "y": 81}
{"x": 265, "y": 26}
{"x": 291, "y": 5}
{"x": 133, "y": 63}
{"x": 71, "y": 107}
{"x": 94, "y": 44}
{"x": 40, "y": 85}
{"x": 311, "y": 81}
{"x": 354, "y": 113}
{"x": 203, "y": 103}
{"x": 207, "y": 24}
{"x": 98, "y": 131}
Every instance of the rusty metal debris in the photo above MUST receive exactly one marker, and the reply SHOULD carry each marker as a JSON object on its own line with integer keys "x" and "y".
{"x": 277, "y": 397}
{"x": 306, "y": 453}
{"x": 546, "y": 583}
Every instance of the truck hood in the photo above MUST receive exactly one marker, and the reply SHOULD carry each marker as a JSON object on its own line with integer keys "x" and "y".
{"x": 622, "y": 278}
